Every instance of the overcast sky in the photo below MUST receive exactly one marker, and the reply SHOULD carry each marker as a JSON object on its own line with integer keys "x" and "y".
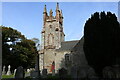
{"x": 27, "y": 17}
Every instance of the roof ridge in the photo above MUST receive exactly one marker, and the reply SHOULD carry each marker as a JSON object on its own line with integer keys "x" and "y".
{"x": 71, "y": 41}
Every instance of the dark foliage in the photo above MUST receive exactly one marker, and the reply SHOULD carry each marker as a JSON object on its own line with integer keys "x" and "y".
{"x": 102, "y": 41}
{"x": 16, "y": 49}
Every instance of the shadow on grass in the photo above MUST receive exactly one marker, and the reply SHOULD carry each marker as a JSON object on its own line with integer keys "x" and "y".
{"x": 7, "y": 76}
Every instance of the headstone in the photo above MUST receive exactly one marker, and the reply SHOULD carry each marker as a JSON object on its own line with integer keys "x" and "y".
{"x": 53, "y": 72}
{"x": 15, "y": 71}
{"x": 73, "y": 72}
{"x": 44, "y": 72}
{"x": 112, "y": 72}
{"x": 31, "y": 69}
{"x": 28, "y": 70}
{"x": 81, "y": 72}
{"x": 62, "y": 73}
{"x": 19, "y": 72}
{"x": 107, "y": 72}
{"x": 116, "y": 70}
{"x": 91, "y": 73}
{"x": 36, "y": 73}
{"x": 8, "y": 72}
{"x": 3, "y": 72}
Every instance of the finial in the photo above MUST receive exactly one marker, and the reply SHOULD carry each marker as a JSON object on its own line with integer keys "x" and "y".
{"x": 45, "y": 9}
{"x": 51, "y": 12}
{"x": 57, "y": 7}
{"x": 61, "y": 12}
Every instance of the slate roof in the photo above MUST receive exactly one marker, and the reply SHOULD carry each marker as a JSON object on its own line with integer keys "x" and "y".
{"x": 79, "y": 44}
{"x": 67, "y": 45}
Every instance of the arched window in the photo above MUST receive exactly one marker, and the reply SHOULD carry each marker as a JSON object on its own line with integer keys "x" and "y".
{"x": 56, "y": 29}
{"x": 50, "y": 39}
{"x": 67, "y": 57}
{"x": 50, "y": 26}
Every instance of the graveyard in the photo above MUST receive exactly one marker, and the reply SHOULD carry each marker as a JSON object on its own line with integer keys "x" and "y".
{"x": 32, "y": 74}
{"x": 96, "y": 55}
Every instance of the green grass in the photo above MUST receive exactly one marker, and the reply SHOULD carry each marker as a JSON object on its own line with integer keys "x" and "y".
{"x": 7, "y": 76}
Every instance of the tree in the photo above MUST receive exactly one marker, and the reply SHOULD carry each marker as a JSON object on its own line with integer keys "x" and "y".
{"x": 16, "y": 49}
{"x": 102, "y": 41}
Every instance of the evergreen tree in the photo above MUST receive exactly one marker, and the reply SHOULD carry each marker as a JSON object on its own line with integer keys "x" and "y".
{"x": 102, "y": 41}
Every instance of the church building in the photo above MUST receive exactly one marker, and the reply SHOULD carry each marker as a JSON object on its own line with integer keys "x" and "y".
{"x": 54, "y": 49}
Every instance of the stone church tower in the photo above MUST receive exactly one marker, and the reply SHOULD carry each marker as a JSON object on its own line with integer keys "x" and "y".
{"x": 51, "y": 37}
{"x": 56, "y": 53}
{"x": 52, "y": 33}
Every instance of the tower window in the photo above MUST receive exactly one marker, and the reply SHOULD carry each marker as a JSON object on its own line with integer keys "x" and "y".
{"x": 50, "y": 39}
{"x": 67, "y": 57}
{"x": 50, "y": 26}
{"x": 56, "y": 29}
{"x": 43, "y": 32}
{"x": 55, "y": 54}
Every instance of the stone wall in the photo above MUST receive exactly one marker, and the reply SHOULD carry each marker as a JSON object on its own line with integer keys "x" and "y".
{"x": 78, "y": 61}
{"x": 50, "y": 55}
{"x": 77, "y": 54}
{"x": 60, "y": 60}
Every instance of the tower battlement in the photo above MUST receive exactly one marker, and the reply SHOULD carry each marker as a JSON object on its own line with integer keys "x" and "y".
{"x": 52, "y": 32}
{"x": 50, "y": 18}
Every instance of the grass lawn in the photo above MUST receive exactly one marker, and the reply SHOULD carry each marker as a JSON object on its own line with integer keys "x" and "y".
{"x": 7, "y": 76}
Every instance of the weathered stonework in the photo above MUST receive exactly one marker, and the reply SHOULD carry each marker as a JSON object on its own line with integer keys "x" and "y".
{"x": 53, "y": 46}
{"x": 51, "y": 37}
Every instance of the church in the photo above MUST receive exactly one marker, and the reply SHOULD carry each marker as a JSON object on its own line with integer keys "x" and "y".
{"x": 54, "y": 49}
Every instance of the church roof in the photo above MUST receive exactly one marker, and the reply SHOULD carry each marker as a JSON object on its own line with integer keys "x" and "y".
{"x": 78, "y": 45}
{"x": 67, "y": 45}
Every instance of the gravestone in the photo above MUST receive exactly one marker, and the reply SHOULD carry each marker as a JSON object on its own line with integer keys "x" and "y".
{"x": 91, "y": 73}
{"x": 107, "y": 72}
{"x": 14, "y": 71}
{"x": 53, "y": 72}
{"x": 73, "y": 72}
{"x": 19, "y": 72}
{"x": 3, "y": 72}
{"x": 112, "y": 72}
{"x": 81, "y": 72}
{"x": 62, "y": 73}
{"x": 28, "y": 70}
{"x": 44, "y": 72}
{"x": 32, "y": 74}
{"x": 31, "y": 69}
{"x": 36, "y": 73}
{"x": 8, "y": 72}
{"x": 116, "y": 70}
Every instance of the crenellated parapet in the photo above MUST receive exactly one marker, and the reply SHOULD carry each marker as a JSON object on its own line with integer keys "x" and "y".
{"x": 50, "y": 18}
{"x": 52, "y": 33}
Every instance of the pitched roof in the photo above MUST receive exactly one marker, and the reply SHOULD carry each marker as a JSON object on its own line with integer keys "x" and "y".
{"x": 67, "y": 45}
{"x": 79, "y": 44}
